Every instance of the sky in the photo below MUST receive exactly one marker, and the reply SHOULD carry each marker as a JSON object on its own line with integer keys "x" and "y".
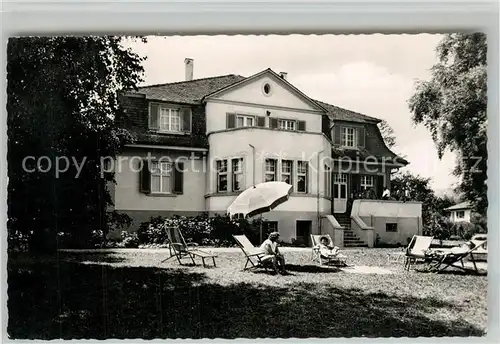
{"x": 371, "y": 74}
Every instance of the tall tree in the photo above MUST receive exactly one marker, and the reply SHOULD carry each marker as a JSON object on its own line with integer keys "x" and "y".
{"x": 387, "y": 134}
{"x": 62, "y": 100}
{"x": 420, "y": 190}
{"x": 452, "y": 105}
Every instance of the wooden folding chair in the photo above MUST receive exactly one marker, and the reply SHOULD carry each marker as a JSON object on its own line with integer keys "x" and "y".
{"x": 180, "y": 249}
{"x": 416, "y": 249}
{"x": 250, "y": 252}
{"x": 337, "y": 260}
{"x": 440, "y": 262}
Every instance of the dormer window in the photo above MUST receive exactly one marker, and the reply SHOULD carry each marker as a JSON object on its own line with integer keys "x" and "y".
{"x": 170, "y": 120}
{"x": 166, "y": 118}
{"x": 348, "y": 137}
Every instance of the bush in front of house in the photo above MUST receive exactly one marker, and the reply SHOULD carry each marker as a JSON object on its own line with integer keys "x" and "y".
{"x": 203, "y": 230}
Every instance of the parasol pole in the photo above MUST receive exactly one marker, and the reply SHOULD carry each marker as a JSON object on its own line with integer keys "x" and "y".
{"x": 261, "y": 227}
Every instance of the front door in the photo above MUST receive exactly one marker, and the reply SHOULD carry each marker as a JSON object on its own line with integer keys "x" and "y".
{"x": 303, "y": 231}
{"x": 340, "y": 192}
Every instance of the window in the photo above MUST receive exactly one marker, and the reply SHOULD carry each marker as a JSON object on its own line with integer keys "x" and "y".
{"x": 348, "y": 137}
{"x": 266, "y": 89}
{"x": 270, "y": 226}
{"x": 161, "y": 177}
{"x": 366, "y": 182}
{"x": 237, "y": 170}
{"x": 391, "y": 227}
{"x": 270, "y": 170}
{"x": 460, "y": 214}
{"x": 286, "y": 124}
{"x": 328, "y": 181}
{"x": 286, "y": 171}
{"x": 222, "y": 176}
{"x": 244, "y": 121}
{"x": 340, "y": 186}
{"x": 302, "y": 176}
{"x": 170, "y": 119}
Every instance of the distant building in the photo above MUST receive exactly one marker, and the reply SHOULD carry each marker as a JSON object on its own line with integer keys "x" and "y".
{"x": 460, "y": 212}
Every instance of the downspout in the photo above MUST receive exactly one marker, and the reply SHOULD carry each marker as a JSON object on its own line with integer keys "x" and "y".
{"x": 253, "y": 164}
{"x": 317, "y": 198}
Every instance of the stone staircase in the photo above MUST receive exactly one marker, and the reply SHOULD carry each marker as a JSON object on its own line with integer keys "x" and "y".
{"x": 350, "y": 238}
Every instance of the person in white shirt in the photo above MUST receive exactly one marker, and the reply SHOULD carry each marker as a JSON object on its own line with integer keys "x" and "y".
{"x": 386, "y": 194}
{"x": 326, "y": 249}
{"x": 271, "y": 251}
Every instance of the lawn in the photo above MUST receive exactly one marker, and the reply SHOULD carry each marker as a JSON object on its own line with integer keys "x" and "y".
{"x": 133, "y": 295}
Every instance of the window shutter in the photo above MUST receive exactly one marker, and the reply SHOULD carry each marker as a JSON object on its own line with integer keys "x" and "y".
{"x": 178, "y": 178}
{"x": 154, "y": 114}
{"x": 273, "y": 123}
{"x": 145, "y": 177}
{"x": 301, "y": 125}
{"x": 337, "y": 137}
{"x": 261, "y": 121}
{"x": 379, "y": 186}
{"x": 361, "y": 137}
{"x": 186, "y": 120}
{"x": 230, "y": 120}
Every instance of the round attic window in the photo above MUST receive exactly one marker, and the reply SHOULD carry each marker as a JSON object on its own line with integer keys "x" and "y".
{"x": 266, "y": 89}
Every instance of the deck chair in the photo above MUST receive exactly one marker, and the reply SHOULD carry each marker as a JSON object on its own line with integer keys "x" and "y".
{"x": 251, "y": 253}
{"x": 416, "y": 249}
{"x": 439, "y": 262}
{"x": 180, "y": 249}
{"x": 337, "y": 260}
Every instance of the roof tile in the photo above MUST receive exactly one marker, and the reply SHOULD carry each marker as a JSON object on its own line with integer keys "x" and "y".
{"x": 192, "y": 92}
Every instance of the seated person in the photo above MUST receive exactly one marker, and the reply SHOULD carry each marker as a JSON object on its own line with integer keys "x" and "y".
{"x": 272, "y": 253}
{"x": 326, "y": 249}
{"x": 386, "y": 194}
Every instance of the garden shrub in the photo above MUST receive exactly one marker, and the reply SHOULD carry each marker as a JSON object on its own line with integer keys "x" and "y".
{"x": 202, "y": 230}
{"x": 150, "y": 232}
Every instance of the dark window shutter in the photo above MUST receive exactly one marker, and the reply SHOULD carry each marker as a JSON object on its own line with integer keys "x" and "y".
{"x": 301, "y": 125}
{"x": 230, "y": 120}
{"x": 145, "y": 179}
{"x": 273, "y": 123}
{"x": 153, "y": 116}
{"x": 379, "y": 186}
{"x": 355, "y": 184}
{"x": 261, "y": 121}
{"x": 361, "y": 137}
{"x": 186, "y": 120}
{"x": 178, "y": 178}
{"x": 337, "y": 135}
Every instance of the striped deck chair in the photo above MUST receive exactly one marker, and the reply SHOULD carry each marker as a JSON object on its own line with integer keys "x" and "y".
{"x": 180, "y": 249}
{"x": 416, "y": 249}
{"x": 250, "y": 251}
{"x": 337, "y": 260}
{"x": 449, "y": 258}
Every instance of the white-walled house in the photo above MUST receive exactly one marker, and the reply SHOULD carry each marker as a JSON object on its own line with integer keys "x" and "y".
{"x": 460, "y": 212}
{"x": 207, "y": 140}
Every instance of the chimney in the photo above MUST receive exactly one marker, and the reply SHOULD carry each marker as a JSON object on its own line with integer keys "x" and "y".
{"x": 189, "y": 68}
{"x": 283, "y": 75}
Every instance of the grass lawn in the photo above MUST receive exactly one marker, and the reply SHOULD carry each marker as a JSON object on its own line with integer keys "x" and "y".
{"x": 133, "y": 295}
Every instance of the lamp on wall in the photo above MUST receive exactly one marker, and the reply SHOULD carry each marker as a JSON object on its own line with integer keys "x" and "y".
{"x": 268, "y": 113}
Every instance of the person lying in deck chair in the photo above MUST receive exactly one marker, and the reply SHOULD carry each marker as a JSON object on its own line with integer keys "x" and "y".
{"x": 463, "y": 248}
{"x": 271, "y": 251}
{"x": 326, "y": 249}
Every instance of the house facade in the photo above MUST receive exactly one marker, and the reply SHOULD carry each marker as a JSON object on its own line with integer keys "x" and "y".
{"x": 200, "y": 142}
{"x": 460, "y": 212}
